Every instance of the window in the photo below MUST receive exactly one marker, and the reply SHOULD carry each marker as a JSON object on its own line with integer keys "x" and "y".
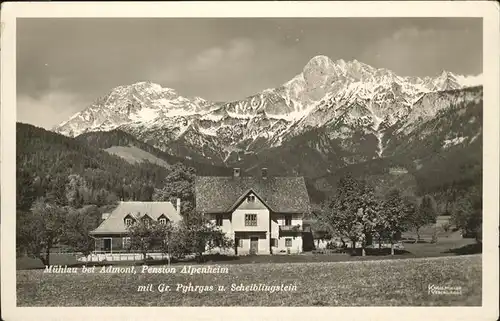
{"x": 274, "y": 242}
{"x": 126, "y": 242}
{"x": 288, "y": 220}
{"x": 128, "y": 222}
{"x": 251, "y": 198}
{"x": 250, "y": 219}
{"x": 163, "y": 220}
{"x": 240, "y": 242}
{"x": 218, "y": 220}
{"x": 288, "y": 242}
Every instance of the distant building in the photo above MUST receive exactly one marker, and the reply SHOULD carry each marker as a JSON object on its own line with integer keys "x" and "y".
{"x": 112, "y": 234}
{"x": 263, "y": 215}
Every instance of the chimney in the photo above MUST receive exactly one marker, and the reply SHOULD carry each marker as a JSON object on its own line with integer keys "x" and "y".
{"x": 264, "y": 173}
{"x": 105, "y": 216}
{"x": 236, "y": 172}
{"x": 178, "y": 207}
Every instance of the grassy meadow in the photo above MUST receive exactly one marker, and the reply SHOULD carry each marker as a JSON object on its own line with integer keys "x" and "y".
{"x": 319, "y": 279}
{"x": 402, "y": 282}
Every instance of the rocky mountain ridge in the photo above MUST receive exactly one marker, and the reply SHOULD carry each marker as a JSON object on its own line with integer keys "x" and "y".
{"x": 349, "y": 112}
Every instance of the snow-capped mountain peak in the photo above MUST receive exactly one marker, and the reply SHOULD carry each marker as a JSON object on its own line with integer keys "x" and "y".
{"x": 349, "y": 94}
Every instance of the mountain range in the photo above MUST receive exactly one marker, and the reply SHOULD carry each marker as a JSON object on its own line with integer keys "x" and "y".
{"x": 333, "y": 116}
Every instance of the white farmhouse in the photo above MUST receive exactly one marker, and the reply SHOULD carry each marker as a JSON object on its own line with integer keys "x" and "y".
{"x": 263, "y": 215}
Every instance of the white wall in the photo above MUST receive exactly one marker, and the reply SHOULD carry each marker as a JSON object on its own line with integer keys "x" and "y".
{"x": 263, "y": 247}
{"x": 235, "y": 222}
{"x": 296, "y": 241}
{"x": 238, "y": 220}
{"x": 294, "y": 249}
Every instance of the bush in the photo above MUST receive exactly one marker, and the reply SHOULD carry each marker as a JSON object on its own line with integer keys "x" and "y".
{"x": 434, "y": 237}
{"x": 446, "y": 227}
{"x": 331, "y": 246}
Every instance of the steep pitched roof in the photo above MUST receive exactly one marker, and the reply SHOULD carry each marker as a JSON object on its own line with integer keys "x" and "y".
{"x": 280, "y": 194}
{"x": 115, "y": 222}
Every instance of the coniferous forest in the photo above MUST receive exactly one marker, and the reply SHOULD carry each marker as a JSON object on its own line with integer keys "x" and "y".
{"x": 69, "y": 172}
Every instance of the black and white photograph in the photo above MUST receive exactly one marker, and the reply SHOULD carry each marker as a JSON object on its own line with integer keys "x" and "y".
{"x": 250, "y": 161}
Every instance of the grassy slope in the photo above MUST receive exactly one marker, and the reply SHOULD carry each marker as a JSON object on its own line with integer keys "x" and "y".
{"x": 115, "y": 138}
{"x": 372, "y": 283}
{"x": 133, "y": 155}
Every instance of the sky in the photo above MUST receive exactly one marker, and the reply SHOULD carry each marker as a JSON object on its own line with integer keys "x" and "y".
{"x": 64, "y": 64}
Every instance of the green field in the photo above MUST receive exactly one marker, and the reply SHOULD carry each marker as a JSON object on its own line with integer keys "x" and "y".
{"x": 401, "y": 282}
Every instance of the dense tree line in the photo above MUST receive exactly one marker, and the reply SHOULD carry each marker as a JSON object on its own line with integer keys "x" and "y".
{"x": 362, "y": 216}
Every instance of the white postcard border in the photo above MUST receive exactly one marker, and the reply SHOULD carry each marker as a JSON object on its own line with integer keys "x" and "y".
{"x": 488, "y": 10}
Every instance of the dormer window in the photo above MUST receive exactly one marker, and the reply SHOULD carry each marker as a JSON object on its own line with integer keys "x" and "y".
{"x": 129, "y": 222}
{"x": 251, "y": 198}
{"x": 163, "y": 219}
{"x": 146, "y": 220}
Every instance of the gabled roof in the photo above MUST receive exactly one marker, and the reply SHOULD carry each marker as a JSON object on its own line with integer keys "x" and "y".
{"x": 281, "y": 194}
{"x": 115, "y": 223}
{"x": 243, "y": 196}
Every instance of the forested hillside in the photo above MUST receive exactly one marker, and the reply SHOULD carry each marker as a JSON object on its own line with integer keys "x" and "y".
{"x": 116, "y": 137}
{"x": 71, "y": 172}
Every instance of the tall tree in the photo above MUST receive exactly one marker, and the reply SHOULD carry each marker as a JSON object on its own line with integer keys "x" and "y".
{"x": 367, "y": 214}
{"x": 73, "y": 187}
{"x": 339, "y": 212}
{"x": 148, "y": 235}
{"x": 40, "y": 229}
{"x": 78, "y": 224}
{"x": 179, "y": 183}
{"x": 352, "y": 212}
{"x": 426, "y": 214}
{"x": 394, "y": 217}
{"x": 467, "y": 213}
{"x": 195, "y": 235}
{"x": 170, "y": 236}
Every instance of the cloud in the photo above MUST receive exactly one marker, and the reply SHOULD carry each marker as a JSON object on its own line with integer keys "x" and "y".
{"x": 48, "y": 109}
{"x": 423, "y": 51}
{"x": 405, "y": 45}
{"x": 236, "y": 51}
{"x": 212, "y": 70}
{"x": 208, "y": 59}
{"x": 407, "y": 34}
{"x": 234, "y": 69}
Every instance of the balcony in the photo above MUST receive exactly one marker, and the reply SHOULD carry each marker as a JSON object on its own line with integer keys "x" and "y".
{"x": 290, "y": 229}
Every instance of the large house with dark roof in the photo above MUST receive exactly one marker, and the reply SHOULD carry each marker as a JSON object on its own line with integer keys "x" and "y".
{"x": 112, "y": 234}
{"x": 263, "y": 215}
